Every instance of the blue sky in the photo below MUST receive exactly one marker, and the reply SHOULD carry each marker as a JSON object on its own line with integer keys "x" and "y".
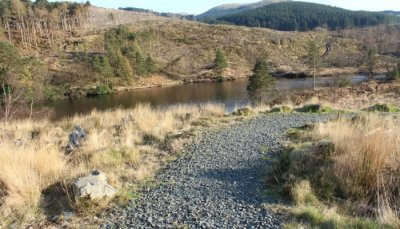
{"x": 199, "y": 6}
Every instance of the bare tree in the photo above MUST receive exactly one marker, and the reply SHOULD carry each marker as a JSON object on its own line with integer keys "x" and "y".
{"x": 314, "y": 58}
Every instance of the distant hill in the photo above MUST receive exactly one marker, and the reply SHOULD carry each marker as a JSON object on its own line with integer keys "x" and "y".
{"x": 391, "y": 12}
{"x": 171, "y": 15}
{"x": 228, "y": 9}
{"x": 139, "y": 10}
{"x": 302, "y": 16}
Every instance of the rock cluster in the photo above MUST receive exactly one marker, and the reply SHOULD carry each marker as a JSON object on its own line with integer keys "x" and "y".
{"x": 75, "y": 139}
{"x": 93, "y": 186}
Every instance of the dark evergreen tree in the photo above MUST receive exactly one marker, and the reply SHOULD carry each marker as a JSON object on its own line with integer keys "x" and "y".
{"x": 220, "y": 63}
{"x": 140, "y": 66}
{"x": 260, "y": 82}
{"x": 150, "y": 65}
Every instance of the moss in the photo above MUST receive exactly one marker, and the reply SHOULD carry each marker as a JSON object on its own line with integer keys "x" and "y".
{"x": 383, "y": 108}
{"x": 125, "y": 196}
{"x": 243, "y": 112}
{"x": 315, "y": 108}
{"x": 294, "y": 133}
{"x": 281, "y": 109}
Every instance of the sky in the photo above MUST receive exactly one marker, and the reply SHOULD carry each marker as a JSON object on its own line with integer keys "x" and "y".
{"x": 200, "y": 6}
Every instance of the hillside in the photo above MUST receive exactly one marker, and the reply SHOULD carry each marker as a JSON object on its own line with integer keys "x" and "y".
{"x": 162, "y": 14}
{"x": 184, "y": 51}
{"x": 98, "y": 55}
{"x": 302, "y": 16}
{"x": 391, "y": 12}
{"x": 228, "y": 9}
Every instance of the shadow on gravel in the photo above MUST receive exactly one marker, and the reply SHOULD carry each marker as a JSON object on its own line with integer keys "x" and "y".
{"x": 244, "y": 185}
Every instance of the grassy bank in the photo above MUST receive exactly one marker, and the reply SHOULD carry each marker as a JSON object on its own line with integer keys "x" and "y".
{"x": 341, "y": 174}
{"x": 128, "y": 145}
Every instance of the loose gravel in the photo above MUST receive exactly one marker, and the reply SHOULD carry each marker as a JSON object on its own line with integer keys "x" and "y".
{"x": 218, "y": 184}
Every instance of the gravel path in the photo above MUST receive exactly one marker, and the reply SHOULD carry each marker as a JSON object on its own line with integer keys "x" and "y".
{"x": 218, "y": 184}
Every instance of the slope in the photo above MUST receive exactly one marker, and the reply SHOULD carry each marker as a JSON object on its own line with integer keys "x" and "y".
{"x": 302, "y": 16}
{"x": 228, "y": 9}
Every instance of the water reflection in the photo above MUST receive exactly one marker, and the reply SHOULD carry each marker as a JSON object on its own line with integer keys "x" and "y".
{"x": 232, "y": 94}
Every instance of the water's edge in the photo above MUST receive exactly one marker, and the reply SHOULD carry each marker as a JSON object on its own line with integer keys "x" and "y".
{"x": 230, "y": 93}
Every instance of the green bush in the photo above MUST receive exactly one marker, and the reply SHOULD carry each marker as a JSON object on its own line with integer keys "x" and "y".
{"x": 315, "y": 108}
{"x": 383, "y": 108}
{"x": 281, "y": 109}
{"x": 395, "y": 73}
{"x": 103, "y": 90}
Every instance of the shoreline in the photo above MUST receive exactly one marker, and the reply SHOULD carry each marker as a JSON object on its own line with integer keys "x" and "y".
{"x": 163, "y": 82}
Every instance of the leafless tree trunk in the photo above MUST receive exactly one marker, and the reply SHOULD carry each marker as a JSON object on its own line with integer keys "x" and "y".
{"x": 9, "y": 101}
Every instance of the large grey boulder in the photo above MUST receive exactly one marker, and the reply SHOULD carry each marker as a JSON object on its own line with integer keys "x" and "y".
{"x": 93, "y": 186}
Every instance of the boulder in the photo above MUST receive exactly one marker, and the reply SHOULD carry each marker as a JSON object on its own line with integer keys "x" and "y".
{"x": 93, "y": 186}
{"x": 76, "y": 138}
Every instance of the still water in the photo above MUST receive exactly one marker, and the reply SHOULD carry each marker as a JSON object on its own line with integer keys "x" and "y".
{"x": 233, "y": 94}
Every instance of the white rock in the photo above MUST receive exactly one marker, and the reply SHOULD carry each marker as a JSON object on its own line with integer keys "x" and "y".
{"x": 93, "y": 186}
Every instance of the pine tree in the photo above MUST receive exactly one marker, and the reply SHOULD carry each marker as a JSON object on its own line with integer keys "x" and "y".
{"x": 150, "y": 65}
{"x": 260, "y": 81}
{"x": 124, "y": 68}
{"x": 140, "y": 64}
{"x": 220, "y": 62}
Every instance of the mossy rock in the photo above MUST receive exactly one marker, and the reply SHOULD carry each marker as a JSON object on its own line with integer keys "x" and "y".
{"x": 315, "y": 108}
{"x": 281, "y": 109}
{"x": 383, "y": 108}
{"x": 243, "y": 112}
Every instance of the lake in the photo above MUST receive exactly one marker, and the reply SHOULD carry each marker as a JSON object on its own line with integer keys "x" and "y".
{"x": 231, "y": 93}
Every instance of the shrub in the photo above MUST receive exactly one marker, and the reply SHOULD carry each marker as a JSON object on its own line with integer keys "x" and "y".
{"x": 383, "y": 108}
{"x": 315, "y": 108}
{"x": 103, "y": 89}
{"x": 281, "y": 109}
{"x": 395, "y": 73}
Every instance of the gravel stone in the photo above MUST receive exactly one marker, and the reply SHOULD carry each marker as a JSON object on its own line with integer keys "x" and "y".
{"x": 218, "y": 184}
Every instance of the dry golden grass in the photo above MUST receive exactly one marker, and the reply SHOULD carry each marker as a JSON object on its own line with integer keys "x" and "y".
{"x": 343, "y": 173}
{"x": 33, "y": 156}
{"x": 365, "y": 159}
